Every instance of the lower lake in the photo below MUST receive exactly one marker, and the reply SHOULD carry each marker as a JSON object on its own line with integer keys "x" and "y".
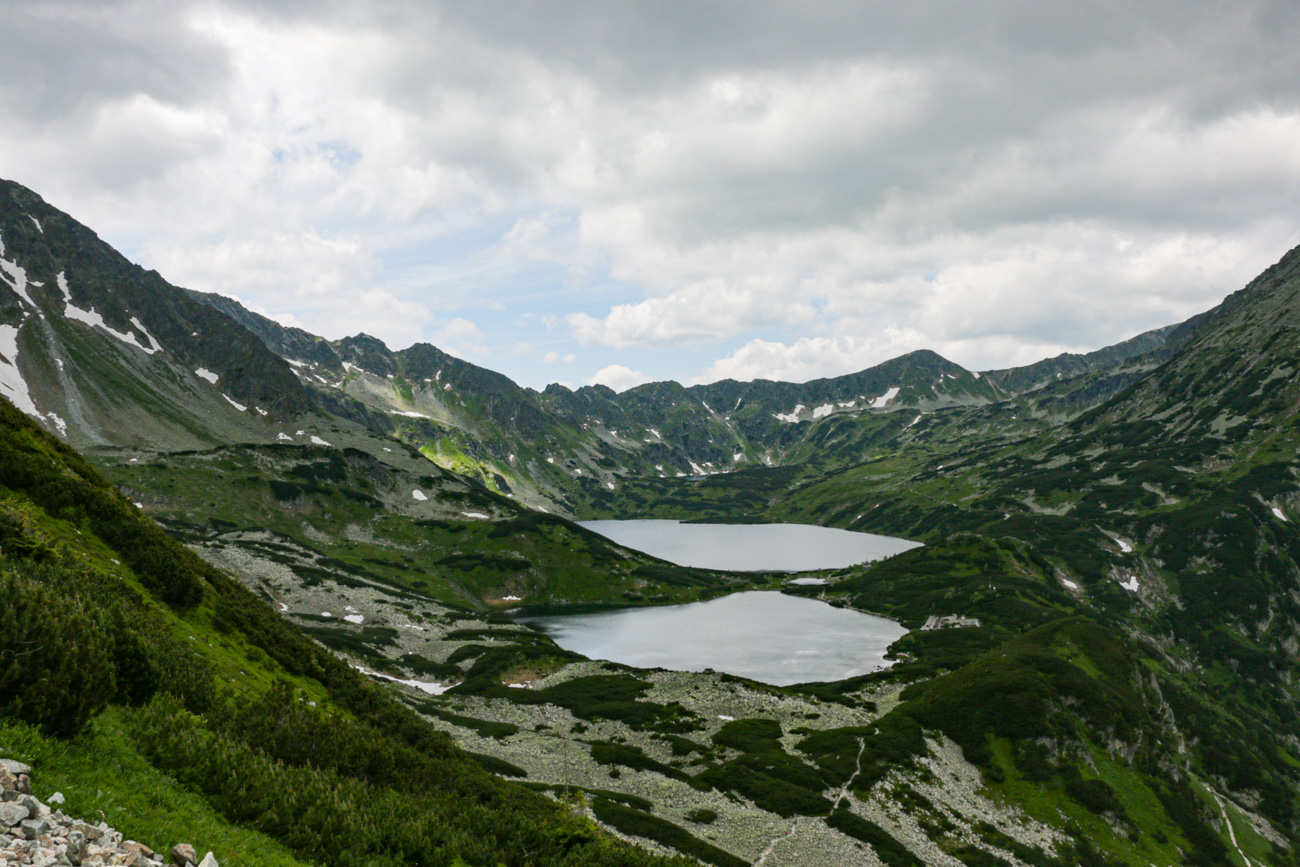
{"x": 750, "y": 547}
{"x": 763, "y": 635}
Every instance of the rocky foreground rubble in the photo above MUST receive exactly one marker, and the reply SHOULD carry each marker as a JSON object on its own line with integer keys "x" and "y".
{"x": 33, "y": 833}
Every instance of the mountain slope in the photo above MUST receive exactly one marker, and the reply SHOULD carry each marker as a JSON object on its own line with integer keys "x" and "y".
{"x": 351, "y": 777}
{"x": 102, "y": 351}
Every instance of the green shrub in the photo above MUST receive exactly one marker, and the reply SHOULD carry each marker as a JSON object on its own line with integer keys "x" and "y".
{"x": 641, "y": 824}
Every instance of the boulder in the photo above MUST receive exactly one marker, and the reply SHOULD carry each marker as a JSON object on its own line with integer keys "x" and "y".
{"x": 209, "y": 860}
{"x": 183, "y": 855}
{"x": 11, "y": 814}
{"x": 89, "y": 831}
{"x": 133, "y": 846}
{"x": 24, "y": 785}
{"x": 77, "y": 847}
{"x": 33, "y": 828}
{"x": 15, "y": 767}
{"x": 8, "y": 782}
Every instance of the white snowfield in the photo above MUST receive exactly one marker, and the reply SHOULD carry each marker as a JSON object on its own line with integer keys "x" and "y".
{"x": 14, "y": 276}
{"x": 317, "y": 441}
{"x": 423, "y": 686}
{"x": 204, "y": 373}
{"x": 93, "y": 319}
{"x": 823, "y": 410}
{"x": 879, "y": 403}
{"x": 236, "y": 404}
{"x": 1131, "y": 585}
{"x": 12, "y": 384}
{"x": 792, "y": 416}
{"x": 1277, "y": 513}
{"x": 1124, "y": 547}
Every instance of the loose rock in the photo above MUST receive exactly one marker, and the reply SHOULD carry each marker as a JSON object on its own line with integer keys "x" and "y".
{"x": 32, "y": 834}
{"x": 183, "y": 855}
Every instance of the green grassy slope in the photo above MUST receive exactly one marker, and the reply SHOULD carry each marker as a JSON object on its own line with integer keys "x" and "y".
{"x": 224, "y": 725}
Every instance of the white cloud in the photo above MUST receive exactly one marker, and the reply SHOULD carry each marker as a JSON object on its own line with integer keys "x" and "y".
{"x": 618, "y": 377}
{"x": 461, "y": 336}
{"x": 821, "y": 186}
{"x": 552, "y": 357}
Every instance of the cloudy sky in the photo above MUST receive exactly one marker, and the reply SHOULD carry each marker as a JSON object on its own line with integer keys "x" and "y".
{"x": 622, "y": 191}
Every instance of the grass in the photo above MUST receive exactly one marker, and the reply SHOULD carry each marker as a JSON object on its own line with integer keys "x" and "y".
{"x": 103, "y": 776}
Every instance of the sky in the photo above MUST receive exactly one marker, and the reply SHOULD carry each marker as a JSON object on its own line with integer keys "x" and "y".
{"x": 619, "y": 192}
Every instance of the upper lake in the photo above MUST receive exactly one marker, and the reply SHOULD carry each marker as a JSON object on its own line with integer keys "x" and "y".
{"x": 750, "y": 547}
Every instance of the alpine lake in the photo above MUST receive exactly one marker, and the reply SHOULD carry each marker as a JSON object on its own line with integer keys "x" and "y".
{"x": 762, "y": 635}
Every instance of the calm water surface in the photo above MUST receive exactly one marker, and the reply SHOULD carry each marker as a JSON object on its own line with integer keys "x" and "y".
{"x": 750, "y": 547}
{"x": 763, "y": 635}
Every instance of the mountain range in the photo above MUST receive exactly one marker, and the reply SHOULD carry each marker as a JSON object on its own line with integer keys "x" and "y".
{"x": 1118, "y": 524}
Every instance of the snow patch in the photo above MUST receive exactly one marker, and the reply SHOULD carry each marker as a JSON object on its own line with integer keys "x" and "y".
{"x": 296, "y": 363}
{"x": 12, "y": 384}
{"x": 847, "y": 404}
{"x": 317, "y": 441}
{"x": 153, "y": 344}
{"x": 1070, "y": 584}
{"x": 354, "y": 618}
{"x": 418, "y": 495}
{"x": 1277, "y": 513}
{"x": 37, "y": 222}
{"x": 512, "y": 598}
{"x": 479, "y": 515}
{"x": 879, "y": 403}
{"x": 609, "y": 485}
{"x": 14, "y": 277}
{"x": 823, "y": 410}
{"x": 792, "y": 416}
{"x": 975, "y": 374}
{"x": 407, "y": 414}
{"x": 1131, "y": 585}
{"x": 1124, "y": 547}
{"x": 63, "y": 287}
{"x": 423, "y": 686}
{"x": 284, "y": 437}
{"x": 58, "y": 423}
{"x": 726, "y": 718}
{"x": 204, "y": 373}
{"x": 236, "y": 404}
{"x": 93, "y": 319}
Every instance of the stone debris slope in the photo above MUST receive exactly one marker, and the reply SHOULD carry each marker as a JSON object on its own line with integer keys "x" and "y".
{"x": 38, "y": 834}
